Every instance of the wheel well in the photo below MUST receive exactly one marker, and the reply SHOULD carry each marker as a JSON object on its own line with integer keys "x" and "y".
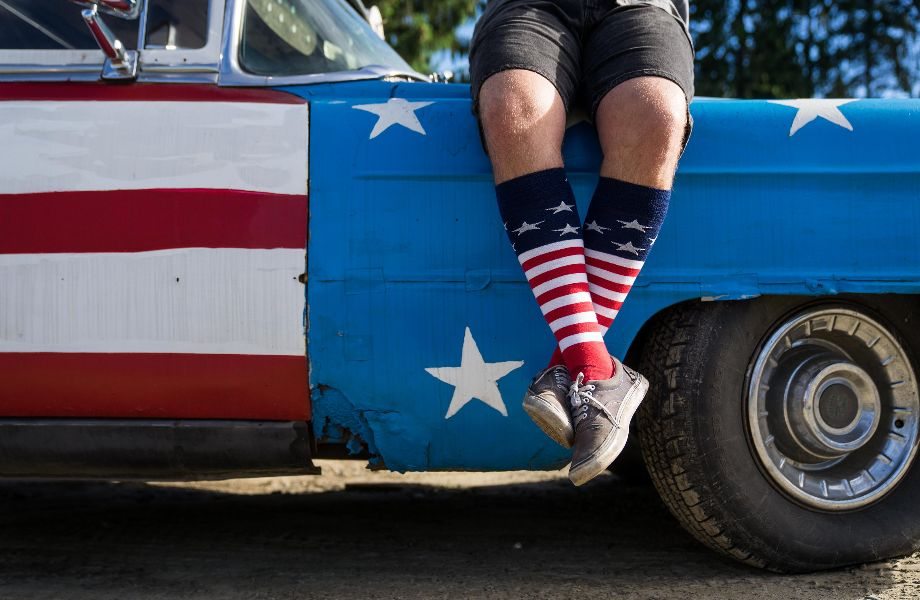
{"x": 901, "y": 310}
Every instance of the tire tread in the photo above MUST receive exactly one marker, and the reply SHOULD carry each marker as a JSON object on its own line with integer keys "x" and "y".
{"x": 663, "y": 437}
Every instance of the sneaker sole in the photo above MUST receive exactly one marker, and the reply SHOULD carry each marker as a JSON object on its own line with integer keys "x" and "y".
{"x": 607, "y": 453}
{"x": 550, "y": 420}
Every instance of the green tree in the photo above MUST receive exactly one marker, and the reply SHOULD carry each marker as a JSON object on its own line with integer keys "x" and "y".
{"x": 419, "y": 28}
{"x": 769, "y": 49}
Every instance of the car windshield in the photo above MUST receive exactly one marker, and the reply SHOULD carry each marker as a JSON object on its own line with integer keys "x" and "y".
{"x": 299, "y": 37}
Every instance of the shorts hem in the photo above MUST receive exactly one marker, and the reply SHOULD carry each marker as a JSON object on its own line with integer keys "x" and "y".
{"x": 476, "y": 86}
{"x": 604, "y": 90}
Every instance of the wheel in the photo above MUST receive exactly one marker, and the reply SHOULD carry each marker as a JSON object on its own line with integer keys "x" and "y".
{"x": 782, "y": 433}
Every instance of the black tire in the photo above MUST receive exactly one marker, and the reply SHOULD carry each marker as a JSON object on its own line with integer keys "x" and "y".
{"x": 695, "y": 444}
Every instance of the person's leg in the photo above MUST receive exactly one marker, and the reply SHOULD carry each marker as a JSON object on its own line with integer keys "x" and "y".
{"x": 641, "y": 124}
{"x": 639, "y": 71}
{"x": 523, "y": 123}
{"x": 524, "y": 67}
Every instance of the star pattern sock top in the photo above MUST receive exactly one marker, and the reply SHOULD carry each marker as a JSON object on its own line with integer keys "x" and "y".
{"x": 542, "y": 222}
{"x": 620, "y": 229}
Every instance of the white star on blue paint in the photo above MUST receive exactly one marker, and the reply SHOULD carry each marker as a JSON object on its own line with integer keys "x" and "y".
{"x": 395, "y": 111}
{"x": 474, "y": 378}
{"x": 810, "y": 109}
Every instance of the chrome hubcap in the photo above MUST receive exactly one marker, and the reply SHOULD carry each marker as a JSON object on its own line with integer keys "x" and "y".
{"x": 833, "y": 409}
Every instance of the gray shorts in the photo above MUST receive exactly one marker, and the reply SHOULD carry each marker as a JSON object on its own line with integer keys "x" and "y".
{"x": 583, "y": 47}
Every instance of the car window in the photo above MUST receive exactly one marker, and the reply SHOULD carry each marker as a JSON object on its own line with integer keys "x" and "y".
{"x": 297, "y": 37}
{"x": 31, "y": 25}
{"x": 177, "y": 24}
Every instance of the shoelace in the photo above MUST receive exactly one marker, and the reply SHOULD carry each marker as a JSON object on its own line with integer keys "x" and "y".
{"x": 582, "y": 396}
{"x": 561, "y": 377}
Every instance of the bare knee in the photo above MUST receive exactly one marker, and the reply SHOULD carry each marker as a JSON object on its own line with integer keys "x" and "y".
{"x": 523, "y": 122}
{"x": 642, "y": 124}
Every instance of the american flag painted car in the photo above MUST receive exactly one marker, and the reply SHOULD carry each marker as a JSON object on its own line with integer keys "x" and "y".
{"x": 245, "y": 234}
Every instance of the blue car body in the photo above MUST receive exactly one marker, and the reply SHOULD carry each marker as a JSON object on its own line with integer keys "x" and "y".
{"x": 406, "y": 252}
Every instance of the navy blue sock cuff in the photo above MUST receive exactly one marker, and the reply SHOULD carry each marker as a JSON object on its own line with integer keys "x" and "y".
{"x": 623, "y": 197}
{"x": 538, "y": 209}
{"x": 624, "y": 218}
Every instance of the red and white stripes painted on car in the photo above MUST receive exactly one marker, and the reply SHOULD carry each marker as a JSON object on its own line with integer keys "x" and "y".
{"x": 150, "y": 243}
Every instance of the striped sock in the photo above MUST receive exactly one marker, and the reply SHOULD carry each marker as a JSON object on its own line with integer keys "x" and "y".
{"x": 542, "y": 221}
{"x": 620, "y": 228}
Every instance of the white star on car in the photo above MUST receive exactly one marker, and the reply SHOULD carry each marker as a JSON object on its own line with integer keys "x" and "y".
{"x": 561, "y": 208}
{"x": 628, "y": 247}
{"x": 474, "y": 378}
{"x": 395, "y": 111}
{"x": 525, "y": 227}
{"x": 810, "y": 109}
{"x": 634, "y": 224}
{"x": 593, "y": 226}
{"x": 567, "y": 229}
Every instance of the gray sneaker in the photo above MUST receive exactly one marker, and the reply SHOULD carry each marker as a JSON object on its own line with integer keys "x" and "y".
{"x": 601, "y": 411}
{"x": 546, "y": 403}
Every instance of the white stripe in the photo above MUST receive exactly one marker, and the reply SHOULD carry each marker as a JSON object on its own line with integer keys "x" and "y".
{"x": 576, "y": 298}
{"x": 612, "y": 258}
{"x": 525, "y": 256}
{"x": 597, "y": 290}
{"x": 69, "y": 146}
{"x": 190, "y": 300}
{"x": 575, "y": 319}
{"x": 611, "y": 277}
{"x": 603, "y": 311}
{"x": 580, "y": 338}
{"x": 559, "y": 281}
{"x": 566, "y": 261}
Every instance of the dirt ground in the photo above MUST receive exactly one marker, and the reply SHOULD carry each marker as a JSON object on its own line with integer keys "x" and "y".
{"x": 361, "y": 534}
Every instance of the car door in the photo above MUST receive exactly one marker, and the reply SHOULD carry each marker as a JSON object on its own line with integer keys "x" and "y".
{"x": 152, "y": 229}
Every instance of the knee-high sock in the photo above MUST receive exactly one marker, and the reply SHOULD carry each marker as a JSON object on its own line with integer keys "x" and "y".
{"x": 620, "y": 229}
{"x": 542, "y": 222}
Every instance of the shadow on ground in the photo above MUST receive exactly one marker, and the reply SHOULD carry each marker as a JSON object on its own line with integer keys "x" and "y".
{"x": 548, "y": 539}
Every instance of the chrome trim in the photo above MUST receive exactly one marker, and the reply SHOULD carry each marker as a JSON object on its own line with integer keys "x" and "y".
{"x": 232, "y": 73}
{"x": 120, "y": 63}
{"x": 823, "y": 467}
{"x": 185, "y": 60}
{"x": 19, "y": 60}
{"x": 28, "y": 69}
{"x": 216, "y": 62}
{"x": 123, "y": 9}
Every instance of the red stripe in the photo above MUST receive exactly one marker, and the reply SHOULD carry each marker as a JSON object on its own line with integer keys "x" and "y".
{"x": 539, "y": 260}
{"x": 562, "y": 290}
{"x": 542, "y": 278}
{"x": 565, "y": 332}
{"x": 139, "y": 220}
{"x": 609, "y": 285}
{"x": 569, "y": 309}
{"x": 606, "y": 302}
{"x": 156, "y": 92}
{"x": 613, "y": 268}
{"x": 174, "y": 386}
{"x": 604, "y": 321}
